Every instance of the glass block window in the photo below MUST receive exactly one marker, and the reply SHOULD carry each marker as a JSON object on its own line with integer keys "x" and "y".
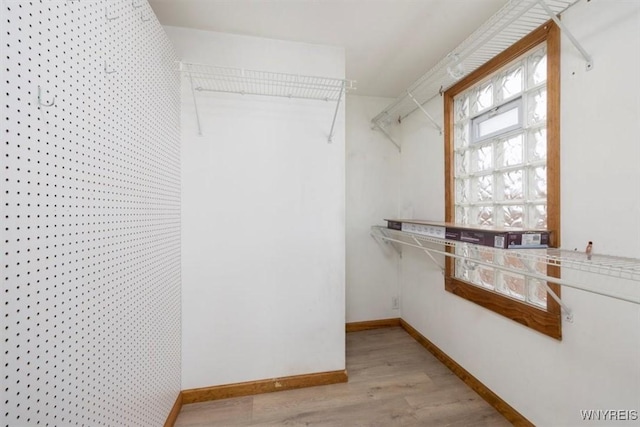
{"x": 500, "y": 171}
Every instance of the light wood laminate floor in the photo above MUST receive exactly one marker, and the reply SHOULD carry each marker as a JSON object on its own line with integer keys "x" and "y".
{"x": 393, "y": 381}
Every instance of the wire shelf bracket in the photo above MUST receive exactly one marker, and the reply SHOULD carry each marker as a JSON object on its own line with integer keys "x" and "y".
{"x": 195, "y": 104}
{"x": 618, "y": 267}
{"x": 387, "y": 241}
{"x": 335, "y": 114}
{"x": 431, "y": 119}
{"x": 385, "y": 133}
{"x": 426, "y": 251}
{"x": 565, "y": 30}
{"x": 515, "y": 20}
{"x": 210, "y": 78}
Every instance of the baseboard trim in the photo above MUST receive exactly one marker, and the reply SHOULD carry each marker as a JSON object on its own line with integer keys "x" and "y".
{"x": 513, "y": 416}
{"x": 173, "y": 415}
{"x": 205, "y": 394}
{"x": 372, "y": 324}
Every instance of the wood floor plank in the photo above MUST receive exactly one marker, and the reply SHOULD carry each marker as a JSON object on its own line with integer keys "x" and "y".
{"x": 388, "y": 412}
{"x": 307, "y": 400}
{"x": 393, "y": 381}
{"x": 230, "y": 412}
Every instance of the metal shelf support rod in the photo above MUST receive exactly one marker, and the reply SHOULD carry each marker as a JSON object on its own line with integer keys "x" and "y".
{"x": 381, "y": 129}
{"x": 431, "y": 119}
{"x": 335, "y": 114}
{"x": 195, "y": 104}
{"x": 567, "y": 310}
{"x": 566, "y": 31}
{"x": 426, "y": 251}
{"x": 395, "y": 248}
{"x": 515, "y": 271}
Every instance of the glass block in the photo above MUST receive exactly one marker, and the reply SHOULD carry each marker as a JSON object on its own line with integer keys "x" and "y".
{"x": 462, "y": 215}
{"x": 461, "y": 105}
{"x": 462, "y": 272}
{"x": 537, "y": 139}
{"x": 537, "y": 106}
{"x": 513, "y": 261}
{"x": 465, "y": 269}
{"x": 482, "y": 158}
{"x": 537, "y": 67}
{"x": 510, "y": 83}
{"x": 539, "y": 266}
{"x": 483, "y": 98}
{"x": 474, "y": 274}
{"x": 461, "y": 135}
{"x": 513, "y": 216}
{"x": 537, "y": 216}
{"x": 536, "y": 293}
{"x": 463, "y": 250}
{"x": 512, "y": 185}
{"x": 462, "y": 191}
{"x": 510, "y": 152}
{"x": 513, "y": 285}
{"x": 462, "y": 162}
{"x": 486, "y": 277}
{"x": 482, "y": 188}
{"x": 538, "y": 183}
{"x": 485, "y": 254}
{"x": 483, "y": 215}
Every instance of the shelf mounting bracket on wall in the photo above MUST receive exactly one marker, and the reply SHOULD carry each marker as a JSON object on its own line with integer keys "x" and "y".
{"x": 431, "y": 119}
{"x": 211, "y": 78}
{"x": 426, "y": 251}
{"x": 568, "y": 314}
{"x": 195, "y": 105}
{"x": 378, "y": 126}
{"x": 387, "y": 242}
{"x": 566, "y": 31}
{"x": 335, "y": 114}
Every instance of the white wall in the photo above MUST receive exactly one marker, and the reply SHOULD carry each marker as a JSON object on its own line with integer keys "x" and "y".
{"x": 373, "y": 171}
{"x": 596, "y": 365}
{"x": 263, "y": 209}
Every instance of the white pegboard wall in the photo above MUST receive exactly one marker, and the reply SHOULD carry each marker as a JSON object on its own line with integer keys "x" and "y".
{"x": 90, "y": 317}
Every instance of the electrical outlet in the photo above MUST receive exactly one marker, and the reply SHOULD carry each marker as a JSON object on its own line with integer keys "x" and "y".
{"x": 395, "y": 303}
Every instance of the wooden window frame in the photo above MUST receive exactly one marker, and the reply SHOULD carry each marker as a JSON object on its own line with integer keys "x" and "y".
{"x": 549, "y": 321}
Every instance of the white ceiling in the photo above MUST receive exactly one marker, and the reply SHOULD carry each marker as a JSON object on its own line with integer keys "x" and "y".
{"x": 389, "y": 44}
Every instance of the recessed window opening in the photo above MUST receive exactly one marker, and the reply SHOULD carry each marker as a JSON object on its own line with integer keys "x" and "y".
{"x": 502, "y": 170}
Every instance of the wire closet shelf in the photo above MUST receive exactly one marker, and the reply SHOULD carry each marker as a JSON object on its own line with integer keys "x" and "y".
{"x": 606, "y": 265}
{"x": 514, "y": 21}
{"x": 212, "y": 78}
{"x": 251, "y": 82}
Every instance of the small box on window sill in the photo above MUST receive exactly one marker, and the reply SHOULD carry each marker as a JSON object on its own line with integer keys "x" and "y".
{"x": 495, "y": 237}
